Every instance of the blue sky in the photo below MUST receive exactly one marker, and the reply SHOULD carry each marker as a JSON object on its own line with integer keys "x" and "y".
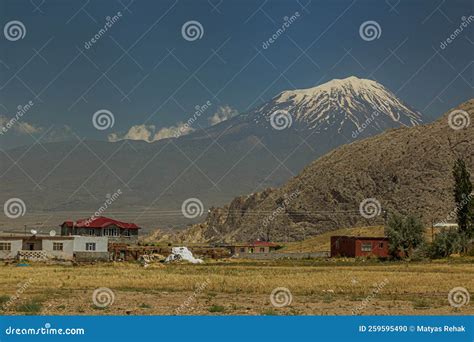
{"x": 144, "y": 72}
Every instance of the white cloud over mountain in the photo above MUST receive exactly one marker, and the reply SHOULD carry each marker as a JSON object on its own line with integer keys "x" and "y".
{"x": 223, "y": 113}
{"x": 150, "y": 133}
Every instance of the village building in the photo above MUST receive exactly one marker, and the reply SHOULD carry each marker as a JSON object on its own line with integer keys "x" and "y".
{"x": 116, "y": 231}
{"x": 43, "y": 247}
{"x": 358, "y": 246}
{"x": 252, "y": 248}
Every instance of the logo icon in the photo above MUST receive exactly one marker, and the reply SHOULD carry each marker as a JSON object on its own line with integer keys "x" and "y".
{"x": 103, "y": 119}
{"x": 458, "y": 296}
{"x": 370, "y": 30}
{"x": 459, "y": 119}
{"x": 281, "y": 119}
{"x": 14, "y": 30}
{"x": 192, "y": 208}
{"x": 280, "y": 297}
{"x": 103, "y": 297}
{"x": 14, "y": 208}
{"x": 192, "y": 30}
{"x": 370, "y": 207}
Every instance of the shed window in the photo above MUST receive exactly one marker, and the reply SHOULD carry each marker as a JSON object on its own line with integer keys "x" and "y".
{"x": 380, "y": 244}
{"x": 366, "y": 247}
{"x": 5, "y": 246}
{"x": 57, "y": 246}
{"x": 90, "y": 246}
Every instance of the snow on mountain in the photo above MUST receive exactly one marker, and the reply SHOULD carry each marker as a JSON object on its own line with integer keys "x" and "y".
{"x": 347, "y": 104}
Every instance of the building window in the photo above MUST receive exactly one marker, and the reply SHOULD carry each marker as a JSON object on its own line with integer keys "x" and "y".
{"x": 90, "y": 246}
{"x": 126, "y": 232}
{"x": 380, "y": 245}
{"x": 57, "y": 246}
{"x": 111, "y": 232}
{"x": 262, "y": 250}
{"x": 91, "y": 232}
{"x": 366, "y": 247}
{"x": 337, "y": 244}
{"x": 5, "y": 246}
{"x": 242, "y": 250}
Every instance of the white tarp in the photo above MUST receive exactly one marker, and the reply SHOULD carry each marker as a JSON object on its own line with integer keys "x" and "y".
{"x": 182, "y": 253}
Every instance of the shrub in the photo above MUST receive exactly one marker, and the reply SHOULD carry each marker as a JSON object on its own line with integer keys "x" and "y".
{"x": 216, "y": 308}
{"x": 30, "y": 307}
{"x": 405, "y": 235}
{"x": 445, "y": 243}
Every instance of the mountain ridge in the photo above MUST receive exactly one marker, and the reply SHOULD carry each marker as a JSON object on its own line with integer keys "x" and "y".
{"x": 406, "y": 170}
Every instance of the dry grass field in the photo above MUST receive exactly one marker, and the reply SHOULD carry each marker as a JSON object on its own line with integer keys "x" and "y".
{"x": 318, "y": 287}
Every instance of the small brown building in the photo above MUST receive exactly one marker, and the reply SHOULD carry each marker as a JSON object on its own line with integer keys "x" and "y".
{"x": 253, "y": 247}
{"x": 359, "y": 246}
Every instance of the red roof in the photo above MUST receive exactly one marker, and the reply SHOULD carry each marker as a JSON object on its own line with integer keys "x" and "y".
{"x": 99, "y": 222}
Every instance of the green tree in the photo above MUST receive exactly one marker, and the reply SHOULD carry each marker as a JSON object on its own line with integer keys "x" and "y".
{"x": 445, "y": 243}
{"x": 405, "y": 235}
{"x": 464, "y": 200}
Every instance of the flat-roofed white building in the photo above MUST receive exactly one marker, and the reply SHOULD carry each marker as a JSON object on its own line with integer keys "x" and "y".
{"x": 43, "y": 247}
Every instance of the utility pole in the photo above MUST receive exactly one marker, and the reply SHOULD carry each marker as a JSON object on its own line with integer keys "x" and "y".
{"x": 385, "y": 219}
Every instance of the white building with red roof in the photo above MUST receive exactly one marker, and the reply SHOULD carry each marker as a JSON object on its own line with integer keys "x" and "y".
{"x": 116, "y": 231}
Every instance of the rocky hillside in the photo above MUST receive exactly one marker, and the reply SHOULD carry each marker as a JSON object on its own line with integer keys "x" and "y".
{"x": 406, "y": 170}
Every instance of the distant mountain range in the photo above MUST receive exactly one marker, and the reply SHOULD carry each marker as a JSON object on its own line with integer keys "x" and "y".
{"x": 248, "y": 153}
{"x": 406, "y": 170}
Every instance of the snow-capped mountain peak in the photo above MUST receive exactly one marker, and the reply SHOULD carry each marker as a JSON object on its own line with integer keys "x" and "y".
{"x": 346, "y": 104}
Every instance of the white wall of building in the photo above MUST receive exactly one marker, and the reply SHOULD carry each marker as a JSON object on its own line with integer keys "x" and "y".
{"x": 101, "y": 243}
{"x": 66, "y": 253}
{"x": 16, "y": 246}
